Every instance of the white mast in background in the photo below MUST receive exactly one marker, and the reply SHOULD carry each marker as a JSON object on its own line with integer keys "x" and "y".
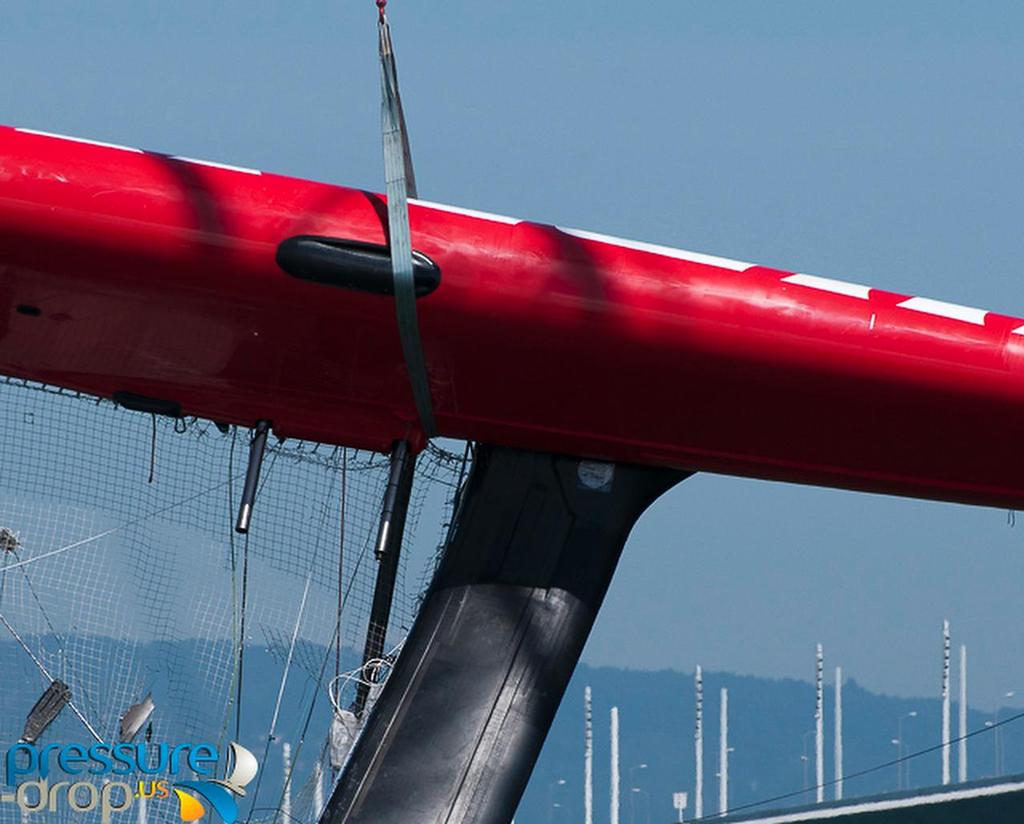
{"x": 819, "y": 725}
{"x": 588, "y": 758}
{"x": 839, "y": 734}
{"x": 723, "y": 753}
{"x": 961, "y": 762}
{"x": 698, "y": 745}
{"x": 286, "y": 799}
{"x": 615, "y": 766}
{"x": 318, "y": 789}
{"x": 945, "y": 702}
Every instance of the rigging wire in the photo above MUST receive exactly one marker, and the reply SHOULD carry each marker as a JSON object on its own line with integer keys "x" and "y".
{"x": 240, "y": 666}
{"x": 341, "y": 551}
{"x": 324, "y": 509}
{"x": 335, "y": 638}
{"x": 99, "y": 535}
{"x": 152, "y": 450}
{"x": 46, "y": 674}
{"x": 46, "y": 617}
{"x": 245, "y": 597}
{"x": 233, "y": 561}
{"x": 66, "y": 668}
{"x": 3, "y": 577}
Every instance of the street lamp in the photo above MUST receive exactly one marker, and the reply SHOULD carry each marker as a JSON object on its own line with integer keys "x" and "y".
{"x": 806, "y": 762}
{"x": 995, "y": 744}
{"x": 632, "y": 790}
{"x": 898, "y": 741}
{"x": 997, "y": 738}
{"x": 647, "y": 802}
{"x": 552, "y": 804}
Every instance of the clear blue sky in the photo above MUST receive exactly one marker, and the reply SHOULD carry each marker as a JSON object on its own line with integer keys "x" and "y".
{"x": 875, "y": 141}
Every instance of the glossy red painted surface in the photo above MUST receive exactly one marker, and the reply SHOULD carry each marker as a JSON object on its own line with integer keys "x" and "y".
{"x": 157, "y": 276}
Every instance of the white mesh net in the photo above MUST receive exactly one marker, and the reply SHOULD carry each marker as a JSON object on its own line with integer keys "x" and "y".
{"x": 124, "y": 585}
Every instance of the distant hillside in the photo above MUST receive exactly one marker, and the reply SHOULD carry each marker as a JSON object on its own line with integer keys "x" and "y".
{"x": 767, "y": 722}
{"x": 768, "y": 719}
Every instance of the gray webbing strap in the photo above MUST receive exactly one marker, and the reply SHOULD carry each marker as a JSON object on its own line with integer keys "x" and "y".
{"x": 401, "y": 185}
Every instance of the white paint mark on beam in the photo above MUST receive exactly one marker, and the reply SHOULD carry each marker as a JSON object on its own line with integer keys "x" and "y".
{"x": 942, "y": 309}
{"x": 458, "y": 210}
{"x": 80, "y": 140}
{"x": 664, "y": 251}
{"x": 838, "y": 287}
{"x": 214, "y": 165}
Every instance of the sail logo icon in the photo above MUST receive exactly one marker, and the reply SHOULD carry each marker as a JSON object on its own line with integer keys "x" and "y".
{"x": 220, "y": 795}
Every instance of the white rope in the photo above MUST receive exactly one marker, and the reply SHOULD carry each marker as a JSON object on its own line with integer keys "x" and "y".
{"x": 50, "y": 678}
{"x": 291, "y": 655}
{"x": 364, "y": 674}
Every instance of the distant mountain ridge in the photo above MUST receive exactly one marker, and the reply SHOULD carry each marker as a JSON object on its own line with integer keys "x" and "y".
{"x": 768, "y": 722}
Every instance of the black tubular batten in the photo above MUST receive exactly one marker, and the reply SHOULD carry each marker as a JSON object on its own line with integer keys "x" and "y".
{"x": 257, "y": 447}
{"x": 457, "y": 729}
{"x": 388, "y": 552}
